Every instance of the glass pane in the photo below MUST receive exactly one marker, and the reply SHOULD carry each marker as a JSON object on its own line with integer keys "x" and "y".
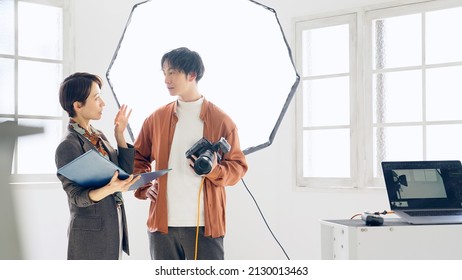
{"x": 326, "y": 102}
{"x": 6, "y": 86}
{"x": 443, "y": 142}
{"x": 397, "y": 41}
{"x": 40, "y": 31}
{"x": 326, "y": 50}
{"x": 397, "y": 143}
{"x": 7, "y": 27}
{"x": 36, "y": 153}
{"x": 442, "y": 41}
{"x": 444, "y": 98}
{"x": 397, "y": 96}
{"x": 38, "y": 88}
{"x": 326, "y": 153}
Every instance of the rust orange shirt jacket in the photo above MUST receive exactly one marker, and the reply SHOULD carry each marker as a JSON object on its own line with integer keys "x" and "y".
{"x": 153, "y": 144}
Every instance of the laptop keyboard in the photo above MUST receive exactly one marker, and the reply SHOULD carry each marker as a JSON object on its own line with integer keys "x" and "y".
{"x": 434, "y": 213}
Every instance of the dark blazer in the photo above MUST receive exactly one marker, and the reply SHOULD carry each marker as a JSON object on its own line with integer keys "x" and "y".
{"x": 93, "y": 231}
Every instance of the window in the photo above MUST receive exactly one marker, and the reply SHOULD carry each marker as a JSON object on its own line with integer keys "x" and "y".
{"x": 416, "y": 89}
{"x": 31, "y": 68}
{"x": 326, "y": 60}
{"x": 404, "y": 103}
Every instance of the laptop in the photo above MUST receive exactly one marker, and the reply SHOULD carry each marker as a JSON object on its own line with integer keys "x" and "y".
{"x": 425, "y": 192}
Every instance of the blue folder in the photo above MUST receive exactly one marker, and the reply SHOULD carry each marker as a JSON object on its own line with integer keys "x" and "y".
{"x": 93, "y": 170}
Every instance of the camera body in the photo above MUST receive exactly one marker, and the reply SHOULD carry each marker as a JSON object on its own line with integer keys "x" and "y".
{"x": 204, "y": 151}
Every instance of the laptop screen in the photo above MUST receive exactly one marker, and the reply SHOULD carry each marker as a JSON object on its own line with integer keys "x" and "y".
{"x": 423, "y": 184}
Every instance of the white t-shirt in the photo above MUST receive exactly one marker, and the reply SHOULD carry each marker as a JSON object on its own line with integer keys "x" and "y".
{"x": 183, "y": 183}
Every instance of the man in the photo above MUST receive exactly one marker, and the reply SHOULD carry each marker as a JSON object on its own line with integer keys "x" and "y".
{"x": 187, "y": 212}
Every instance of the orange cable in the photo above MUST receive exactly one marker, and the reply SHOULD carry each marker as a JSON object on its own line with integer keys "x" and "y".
{"x": 198, "y": 218}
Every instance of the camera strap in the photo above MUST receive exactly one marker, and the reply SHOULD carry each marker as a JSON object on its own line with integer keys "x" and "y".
{"x": 198, "y": 217}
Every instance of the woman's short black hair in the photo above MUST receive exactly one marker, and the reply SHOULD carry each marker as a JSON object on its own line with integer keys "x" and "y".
{"x": 76, "y": 87}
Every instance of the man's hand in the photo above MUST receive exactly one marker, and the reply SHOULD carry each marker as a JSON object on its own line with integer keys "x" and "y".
{"x": 153, "y": 191}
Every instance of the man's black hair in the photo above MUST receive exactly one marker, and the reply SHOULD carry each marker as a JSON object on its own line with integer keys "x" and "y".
{"x": 185, "y": 60}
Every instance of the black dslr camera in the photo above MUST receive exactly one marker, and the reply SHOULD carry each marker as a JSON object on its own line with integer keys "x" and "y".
{"x": 204, "y": 151}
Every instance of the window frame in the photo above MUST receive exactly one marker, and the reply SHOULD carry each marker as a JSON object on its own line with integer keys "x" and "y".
{"x": 313, "y": 23}
{"x": 361, "y": 122}
{"x": 42, "y": 178}
{"x": 394, "y": 11}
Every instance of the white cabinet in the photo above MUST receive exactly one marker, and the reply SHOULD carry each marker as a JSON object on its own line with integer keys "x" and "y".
{"x": 394, "y": 240}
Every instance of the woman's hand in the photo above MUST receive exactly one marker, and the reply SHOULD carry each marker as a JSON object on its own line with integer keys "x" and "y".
{"x": 115, "y": 185}
{"x": 120, "y": 124}
{"x": 121, "y": 119}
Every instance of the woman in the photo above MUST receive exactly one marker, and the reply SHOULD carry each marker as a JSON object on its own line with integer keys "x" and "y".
{"x": 98, "y": 226}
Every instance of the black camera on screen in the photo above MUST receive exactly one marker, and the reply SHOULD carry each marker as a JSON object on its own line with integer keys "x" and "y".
{"x": 204, "y": 151}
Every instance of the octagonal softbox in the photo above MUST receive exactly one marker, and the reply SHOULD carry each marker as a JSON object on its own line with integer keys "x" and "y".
{"x": 249, "y": 71}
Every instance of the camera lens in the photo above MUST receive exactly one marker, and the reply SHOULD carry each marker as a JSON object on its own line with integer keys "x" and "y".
{"x": 203, "y": 164}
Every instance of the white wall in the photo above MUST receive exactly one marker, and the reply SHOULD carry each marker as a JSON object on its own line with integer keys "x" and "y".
{"x": 292, "y": 213}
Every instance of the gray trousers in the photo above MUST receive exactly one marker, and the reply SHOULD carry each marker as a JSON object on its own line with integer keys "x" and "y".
{"x": 180, "y": 243}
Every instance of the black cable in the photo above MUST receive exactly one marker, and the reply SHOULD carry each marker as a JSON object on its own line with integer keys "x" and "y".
{"x": 258, "y": 207}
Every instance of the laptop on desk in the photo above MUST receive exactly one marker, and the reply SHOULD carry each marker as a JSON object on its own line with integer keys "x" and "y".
{"x": 425, "y": 192}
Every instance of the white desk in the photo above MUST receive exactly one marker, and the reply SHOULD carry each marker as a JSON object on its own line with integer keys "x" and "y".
{"x": 394, "y": 240}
